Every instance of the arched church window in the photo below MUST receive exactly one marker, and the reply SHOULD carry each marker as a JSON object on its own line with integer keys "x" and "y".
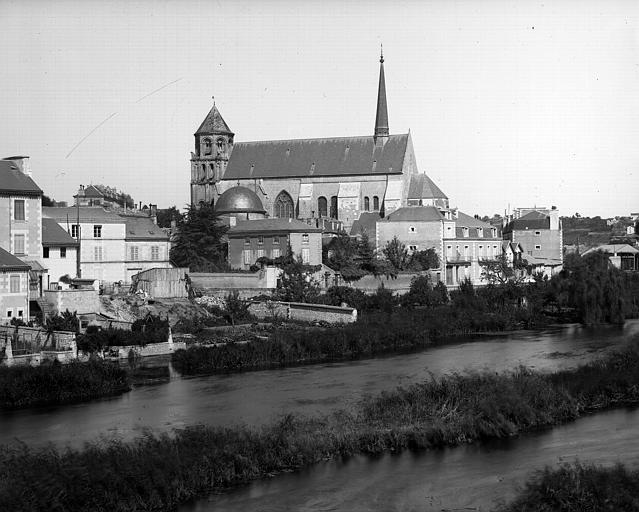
{"x": 208, "y": 147}
{"x": 367, "y": 204}
{"x": 334, "y": 207}
{"x": 220, "y": 144}
{"x": 284, "y": 207}
{"x": 322, "y": 206}
{"x": 376, "y": 203}
{"x": 203, "y": 175}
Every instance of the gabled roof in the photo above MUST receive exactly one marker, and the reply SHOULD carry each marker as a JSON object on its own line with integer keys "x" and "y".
{"x": 9, "y": 262}
{"x": 471, "y": 222}
{"x": 414, "y": 214}
{"x": 614, "y": 249}
{"x": 532, "y": 220}
{"x": 53, "y": 235}
{"x": 93, "y": 191}
{"x": 213, "y": 123}
{"x": 271, "y": 226}
{"x": 87, "y": 214}
{"x": 337, "y": 156}
{"x": 13, "y": 181}
{"x": 366, "y": 222}
{"x": 143, "y": 228}
{"x": 422, "y": 187}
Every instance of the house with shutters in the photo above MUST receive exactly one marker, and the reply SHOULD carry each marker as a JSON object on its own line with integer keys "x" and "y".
{"x": 113, "y": 245}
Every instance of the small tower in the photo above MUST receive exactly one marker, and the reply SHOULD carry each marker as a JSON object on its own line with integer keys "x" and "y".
{"x": 381, "y": 118}
{"x": 213, "y": 147}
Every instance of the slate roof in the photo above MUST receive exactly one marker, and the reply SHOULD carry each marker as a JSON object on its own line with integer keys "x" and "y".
{"x": 422, "y": 187}
{"x": 366, "y": 222}
{"x": 471, "y": 222}
{"x": 214, "y": 123}
{"x": 532, "y": 220}
{"x": 143, "y": 228}
{"x": 614, "y": 248}
{"x": 336, "y": 156}
{"x": 9, "y": 262}
{"x": 96, "y": 214}
{"x": 271, "y": 226}
{"x": 93, "y": 191}
{"x": 13, "y": 181}
{"x": 54, "y": 235}
{"x": 414, "y": 214}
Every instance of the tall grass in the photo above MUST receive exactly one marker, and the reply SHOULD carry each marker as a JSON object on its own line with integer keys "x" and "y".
{"x": 26, "y": 386}
{"x": 373, "y": 334}
{"x": 159, "y": 472}
{"x": 579, "y": 488}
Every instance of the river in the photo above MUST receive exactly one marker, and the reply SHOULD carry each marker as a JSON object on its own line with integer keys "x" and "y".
{"x": 466, "y": 478}
{"x": 254, "y": 398}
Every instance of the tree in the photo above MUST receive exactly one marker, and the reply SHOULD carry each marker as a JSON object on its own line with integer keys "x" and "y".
{"x": 47, "y": 201}
{"x": 424, "y": 260}
{"x": 343, "y": 255}
{"x": 199, "y": 243}
{"x": 165, "y": 216}
{"x": 297, "y": 283}
{"x": 396, "y": 253}
{"x": 501, "y": 271}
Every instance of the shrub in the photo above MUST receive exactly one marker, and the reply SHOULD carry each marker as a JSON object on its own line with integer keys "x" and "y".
{"x": 26, "y": 386}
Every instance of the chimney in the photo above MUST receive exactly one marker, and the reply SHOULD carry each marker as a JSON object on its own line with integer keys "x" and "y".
{"x": 554, "y": 219}
{"x": 22, "y": 163}
{"x": 153, "y": 213}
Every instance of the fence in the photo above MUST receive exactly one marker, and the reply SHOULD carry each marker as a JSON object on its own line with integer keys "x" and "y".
{"x": 31, "y": 345}
{"x": 161, "y": 282}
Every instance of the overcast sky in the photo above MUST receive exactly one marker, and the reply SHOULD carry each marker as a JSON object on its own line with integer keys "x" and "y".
{"x": 508, "y": 103}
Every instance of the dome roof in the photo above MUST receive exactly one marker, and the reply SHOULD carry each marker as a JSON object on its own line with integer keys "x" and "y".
{"x": 239, "y": 200}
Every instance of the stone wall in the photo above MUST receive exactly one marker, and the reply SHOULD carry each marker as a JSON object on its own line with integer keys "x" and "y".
{"x": 81, "y": 301}
{"x": 302, "y": 312}
{"x": 262, "y": 280}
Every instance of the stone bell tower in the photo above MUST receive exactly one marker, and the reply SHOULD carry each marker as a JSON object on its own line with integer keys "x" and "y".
{"x": 213, "y": 147}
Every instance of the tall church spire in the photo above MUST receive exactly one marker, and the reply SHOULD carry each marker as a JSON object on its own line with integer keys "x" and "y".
{"x": 381, "y": 119}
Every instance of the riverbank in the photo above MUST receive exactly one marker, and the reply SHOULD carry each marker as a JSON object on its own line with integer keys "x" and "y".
{"x": 57, "y": 384}
{"x": 163, "y": 471}
{"x": 374, "y": 334}
{"x": 578, "y": 487}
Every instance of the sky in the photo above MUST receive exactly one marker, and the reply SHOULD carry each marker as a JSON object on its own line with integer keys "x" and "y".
{"x": 509, "y": 104}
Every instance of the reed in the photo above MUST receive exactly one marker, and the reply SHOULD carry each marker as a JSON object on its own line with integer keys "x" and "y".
{"x": 157, "y": 472}
{"x": 55, "y": 384}
{"x": 578, "y": 488}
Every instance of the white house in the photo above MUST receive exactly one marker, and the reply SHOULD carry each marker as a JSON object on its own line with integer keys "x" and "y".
{"x": 113, "y": 246}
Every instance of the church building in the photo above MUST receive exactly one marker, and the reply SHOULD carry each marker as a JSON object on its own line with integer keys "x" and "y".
{"x": 314, "y": 180}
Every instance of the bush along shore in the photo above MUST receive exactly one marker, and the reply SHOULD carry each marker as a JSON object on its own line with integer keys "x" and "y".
{"x": 578, "y": 487}
{"x": 373, "y": 334}
{"x": 56, "y": 384}
{"x": 158, "y": 472}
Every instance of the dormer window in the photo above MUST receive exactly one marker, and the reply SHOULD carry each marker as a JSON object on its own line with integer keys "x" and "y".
{"x": 494, "y": 230}
{"x": 465, "y": 232}
{"x": 480, "y": 232}
{"x": 208, "y": 147}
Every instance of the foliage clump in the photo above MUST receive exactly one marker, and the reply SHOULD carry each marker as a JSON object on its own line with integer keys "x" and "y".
{"x": 55, "y": 384}
{"x": 199, "y": 241}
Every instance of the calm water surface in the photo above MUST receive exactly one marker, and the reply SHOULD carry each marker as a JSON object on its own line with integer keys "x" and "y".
{"x": 466, "y": 478}
{"x": 257, "y": 397}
